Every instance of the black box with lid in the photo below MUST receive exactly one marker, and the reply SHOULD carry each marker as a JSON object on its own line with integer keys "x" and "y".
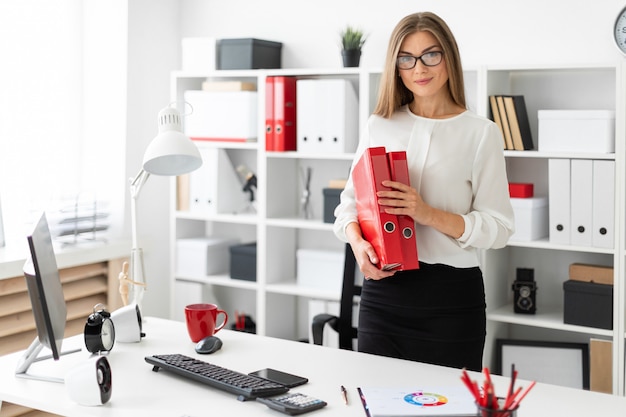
{"x": 243, "y": 261}
{"x": 248, "y": 53}
{"x": 588, "y": 304}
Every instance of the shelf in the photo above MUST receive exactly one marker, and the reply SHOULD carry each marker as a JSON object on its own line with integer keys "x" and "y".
{"x": 296, "y": 72}
{"x": 545, "y": 244}
{"x": 549, "y": 318}
{"x": 573, "y": 66}
{"x": 222, "y": 281}
{"x": 557, "y": 155}
{"x": 291, "y": 288}
{"x": 299, "y": 223}
{"x": 223, "y": 218}
{"x": 227, "y": 144}
{"x": 303, "y": 155}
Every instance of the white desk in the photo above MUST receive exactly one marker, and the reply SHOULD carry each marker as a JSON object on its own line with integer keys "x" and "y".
{"x": 137, "y": 391}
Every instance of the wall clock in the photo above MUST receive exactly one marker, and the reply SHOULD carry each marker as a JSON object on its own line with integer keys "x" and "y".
{"x": 619, "y": 31}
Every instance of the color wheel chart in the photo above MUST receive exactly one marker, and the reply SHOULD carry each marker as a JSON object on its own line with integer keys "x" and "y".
{"x": 425, "y": 399}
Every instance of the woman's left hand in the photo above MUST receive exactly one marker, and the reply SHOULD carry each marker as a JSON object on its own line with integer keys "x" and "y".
{"x": 404, "y": 200}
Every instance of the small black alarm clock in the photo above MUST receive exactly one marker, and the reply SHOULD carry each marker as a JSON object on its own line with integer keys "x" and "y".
{"x": 99, "y": 330}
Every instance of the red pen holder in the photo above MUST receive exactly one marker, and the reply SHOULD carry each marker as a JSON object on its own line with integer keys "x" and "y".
{"x": 500, "y": 411}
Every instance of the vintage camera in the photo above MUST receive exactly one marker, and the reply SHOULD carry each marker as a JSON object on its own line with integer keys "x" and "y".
{"x": 524, "y": 290}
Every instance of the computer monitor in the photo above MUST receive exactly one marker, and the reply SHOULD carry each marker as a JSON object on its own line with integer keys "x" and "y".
{"x": 46, "y": 297}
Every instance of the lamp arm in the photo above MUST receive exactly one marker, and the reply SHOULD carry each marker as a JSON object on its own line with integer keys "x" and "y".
{"x": 137, "y": 276}
{"x": 136, "y": 184}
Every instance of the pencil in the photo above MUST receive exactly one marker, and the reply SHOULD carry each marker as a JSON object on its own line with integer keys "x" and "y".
{"x": 344, "y": 395}
{"x": 523, "y": 394}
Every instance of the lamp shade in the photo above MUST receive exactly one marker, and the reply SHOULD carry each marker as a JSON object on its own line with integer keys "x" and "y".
{"x": 171, "y": 152}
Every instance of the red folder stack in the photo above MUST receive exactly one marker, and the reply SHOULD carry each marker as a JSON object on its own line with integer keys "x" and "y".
{"x": 393, "y": 237}
{"x": 280, "y": 113}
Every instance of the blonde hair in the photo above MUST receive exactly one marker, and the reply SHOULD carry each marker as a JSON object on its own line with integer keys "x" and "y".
{"x": 392, "y": 93}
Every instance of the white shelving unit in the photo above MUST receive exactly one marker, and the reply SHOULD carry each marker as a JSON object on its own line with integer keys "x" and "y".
{"x": 275, "y": 301}
{"x": 278, "y": 304}
{"x": 557, "y": 88}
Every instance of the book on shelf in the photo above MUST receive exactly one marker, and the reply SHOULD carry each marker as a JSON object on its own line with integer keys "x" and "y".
{"x": 182, "y": 192}
{"x": 495, "y": 115}
{"x": 228, "y": 86}
{"x": 505, "y": 123}
{"x": 600, "y": 365}
{"x": 510, "y": 114}
{"x": 337, "y": 183}
{"x": 518, "y": 122}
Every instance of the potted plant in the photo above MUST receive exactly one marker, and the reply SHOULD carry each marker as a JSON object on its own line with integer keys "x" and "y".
{"x": 352, "y": 40}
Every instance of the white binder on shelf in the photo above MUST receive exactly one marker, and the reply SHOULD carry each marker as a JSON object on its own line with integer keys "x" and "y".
{"x": 559, "y": 200}
{"x": 327, "y": 116}
{"x": 215, "y": 187}
{"x": 581, "y": 200}
{"x": 603, "y": 235}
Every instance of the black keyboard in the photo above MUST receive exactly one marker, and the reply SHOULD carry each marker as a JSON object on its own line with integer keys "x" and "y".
{"x": 247, "y": 387}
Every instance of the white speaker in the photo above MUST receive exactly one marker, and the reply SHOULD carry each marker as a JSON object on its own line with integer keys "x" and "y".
{"x": 90, "y": 382}
{"x": 127, "y": 322}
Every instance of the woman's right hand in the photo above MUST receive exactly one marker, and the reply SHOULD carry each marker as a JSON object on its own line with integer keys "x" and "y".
{"x": 365, "y": 254}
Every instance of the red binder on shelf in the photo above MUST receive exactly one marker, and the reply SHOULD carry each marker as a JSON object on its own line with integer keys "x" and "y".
{"x": 382, "y": 230}
{"x": 399, "y": 170}
{"x": 269, "y": 114}
{"x": 284, "y": 113}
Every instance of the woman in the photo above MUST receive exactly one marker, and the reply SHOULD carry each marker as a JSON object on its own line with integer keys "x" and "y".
{"x": 458, "y": 199}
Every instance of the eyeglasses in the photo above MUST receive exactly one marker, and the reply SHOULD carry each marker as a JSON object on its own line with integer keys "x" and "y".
{"x": 430, "y": 59}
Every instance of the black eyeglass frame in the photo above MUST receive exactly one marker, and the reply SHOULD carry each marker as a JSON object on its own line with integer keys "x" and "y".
{"x": 420, "y": 58}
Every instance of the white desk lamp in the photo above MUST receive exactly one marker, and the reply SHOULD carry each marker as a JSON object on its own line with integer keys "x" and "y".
{"x": 170, "y": 153}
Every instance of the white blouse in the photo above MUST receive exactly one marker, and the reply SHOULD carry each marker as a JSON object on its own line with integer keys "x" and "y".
{"x": 456, "y": 165}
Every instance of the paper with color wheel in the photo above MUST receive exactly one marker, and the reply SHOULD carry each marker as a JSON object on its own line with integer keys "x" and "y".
{"x": 418, "y": 401}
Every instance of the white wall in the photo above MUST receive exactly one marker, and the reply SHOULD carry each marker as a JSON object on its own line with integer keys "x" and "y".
{"x": 521, "y": 32}
{"x": 153, "y": 50}
{"x": 104, "y": 63}
{"x": 489, "y": 32}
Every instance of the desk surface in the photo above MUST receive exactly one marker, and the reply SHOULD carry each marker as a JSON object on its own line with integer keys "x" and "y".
{"x": 137, "y": 391}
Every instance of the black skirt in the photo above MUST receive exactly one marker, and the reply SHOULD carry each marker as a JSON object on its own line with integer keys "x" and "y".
{"x": 435, "y": 314}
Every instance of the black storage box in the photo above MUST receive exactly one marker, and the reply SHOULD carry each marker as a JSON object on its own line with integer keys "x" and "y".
{"x": 248, "y": 53}
{"x": 243, "y": 261}
{"x": 588, "y": 304}
{"x": 331, "y": 201}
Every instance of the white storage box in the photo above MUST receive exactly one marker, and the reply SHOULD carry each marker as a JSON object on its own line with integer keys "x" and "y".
{"x": 198, "y": 257}
{"x": 320, "y": 269}
{"x": 198, "y": 54}
{"x": 222, "y": 115}
{"x": 577, "y": 131}
{"x": 531, "y": 218}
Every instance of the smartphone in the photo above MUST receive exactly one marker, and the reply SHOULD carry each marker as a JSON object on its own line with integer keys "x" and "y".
{"x": 288, "y": 380}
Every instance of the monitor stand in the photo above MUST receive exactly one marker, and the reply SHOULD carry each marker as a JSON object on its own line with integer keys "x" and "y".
{"x": 30, "y": 357}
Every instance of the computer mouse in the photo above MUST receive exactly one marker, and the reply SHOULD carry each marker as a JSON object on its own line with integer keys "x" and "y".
{"x": 209, "y": 344}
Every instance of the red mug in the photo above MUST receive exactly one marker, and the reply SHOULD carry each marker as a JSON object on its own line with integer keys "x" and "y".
{"x": 202, "y": 320}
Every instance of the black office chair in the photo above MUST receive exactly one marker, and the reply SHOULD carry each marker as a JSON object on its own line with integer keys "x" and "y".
{"x": 350, "y": 293}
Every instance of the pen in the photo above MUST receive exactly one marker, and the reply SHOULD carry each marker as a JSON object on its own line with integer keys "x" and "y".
{"x": 365, "y": 407}
{"x": 344, "y": 395}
